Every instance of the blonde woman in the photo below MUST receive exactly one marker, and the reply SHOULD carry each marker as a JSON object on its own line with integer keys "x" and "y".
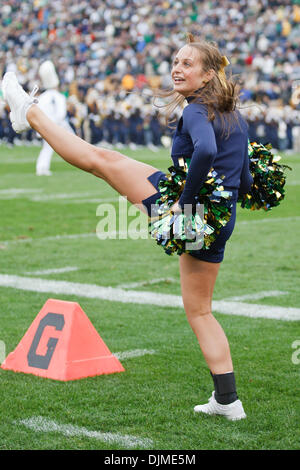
{"x": 211, "y": 132}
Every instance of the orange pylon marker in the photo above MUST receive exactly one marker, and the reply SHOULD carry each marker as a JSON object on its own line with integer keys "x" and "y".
{"x": 62, "y": 344}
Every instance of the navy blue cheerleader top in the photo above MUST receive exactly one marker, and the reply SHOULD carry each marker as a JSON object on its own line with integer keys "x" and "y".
{"x": 207, "y": 145}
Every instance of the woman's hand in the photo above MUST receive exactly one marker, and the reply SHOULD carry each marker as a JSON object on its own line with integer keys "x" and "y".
{"x": 176, "y": 208}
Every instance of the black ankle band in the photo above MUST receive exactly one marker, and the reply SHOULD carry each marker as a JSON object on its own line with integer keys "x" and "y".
{"x": 225, "y": 388}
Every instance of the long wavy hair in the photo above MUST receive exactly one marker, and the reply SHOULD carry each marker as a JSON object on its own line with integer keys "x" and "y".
{"x": 220, "y": 94}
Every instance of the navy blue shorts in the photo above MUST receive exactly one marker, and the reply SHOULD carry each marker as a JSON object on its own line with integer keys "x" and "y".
{"x": 215, "y": 253}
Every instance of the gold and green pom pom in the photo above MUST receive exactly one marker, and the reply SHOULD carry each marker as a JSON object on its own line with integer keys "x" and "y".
{"x": 269, "y": 178}
{"x": 198, "y": 225}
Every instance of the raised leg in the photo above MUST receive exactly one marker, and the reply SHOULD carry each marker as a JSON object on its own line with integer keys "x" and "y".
{"x": 124, "y": 174}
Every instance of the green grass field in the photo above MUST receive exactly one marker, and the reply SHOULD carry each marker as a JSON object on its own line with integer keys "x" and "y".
{"x": 153, "y": 399}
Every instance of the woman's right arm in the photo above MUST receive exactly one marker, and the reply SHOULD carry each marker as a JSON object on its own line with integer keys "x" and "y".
{"x": 201, "y": 131}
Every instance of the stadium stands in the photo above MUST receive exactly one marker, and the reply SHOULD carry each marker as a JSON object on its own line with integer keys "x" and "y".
{"x": 110, "y": 55}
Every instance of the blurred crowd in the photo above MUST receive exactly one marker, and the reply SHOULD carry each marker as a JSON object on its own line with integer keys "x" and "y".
{"x": 110, "y": 56}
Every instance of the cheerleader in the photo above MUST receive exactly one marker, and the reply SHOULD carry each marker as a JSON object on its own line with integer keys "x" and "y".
{"x": 210, "y": 133}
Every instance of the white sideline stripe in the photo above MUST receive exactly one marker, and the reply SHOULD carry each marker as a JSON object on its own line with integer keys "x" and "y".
{"x": 47, "y": 197}
{"x": 89, "y": 201}
{"x": 143, "y": 297}
{"x": 57, "y": 197}
{"x": 2, "y": 351}
{"x": 41, "y": 424}
{"x": 22, "y": 194}
{"x": 15, "y": 191}
{"x": 70, "y": 196}
{"x": 53, "y": 271}
{"x": 88, "y": 290}
{"x": 257, "y": 310}
{"x": 122, "y": 233}
{"x": 132, "y": 285}
{"x": 135, "y": 353}
{"x": 257, "y": 295}
{"x": 101, "y": 236}
{"x": 33, "y": 176}
{"x": 267, "y": 220}
{"x": 7, "y": 161}
{"x": 50, "y": 238}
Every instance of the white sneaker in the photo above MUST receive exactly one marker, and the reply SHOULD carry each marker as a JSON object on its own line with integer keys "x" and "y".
{"x": 18, "y": 101}
{"x": 234, "y": 411}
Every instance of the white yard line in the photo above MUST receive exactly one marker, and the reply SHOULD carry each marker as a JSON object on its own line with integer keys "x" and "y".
{"x": 89, "y": 200}
{"x": 55, "y": 196}
{"x": 257, "y": 295}
{"x": 74, "y": 236}
{"x": 88, "y": 291}
{"x": 256, "y": 310}
{"x": 32, "y": 176}
{"x": 101, "y": 236}
{"x": 143, "y": 297}
{"x": 267, "y": 220}
{"x": 135, "y": 353}
{"x": 133, "y": 285}
{"x": 67, "y": 269}
{"x": 17, "y": 191}
{"x": 2, "y": 351}
{"x": 70, "y": 196}
{"x": 16, "y": 161}
{"x": 77, "y": 197}
{"x": 44, "y": 425}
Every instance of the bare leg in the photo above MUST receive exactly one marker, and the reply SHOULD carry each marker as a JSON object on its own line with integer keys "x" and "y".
{"x": 197, "y": 284}
{"x": 129, "y": 178}
{"x": 125, "y": 175}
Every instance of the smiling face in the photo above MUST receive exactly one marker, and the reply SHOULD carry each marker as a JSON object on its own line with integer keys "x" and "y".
{"x": 187, "y": 72}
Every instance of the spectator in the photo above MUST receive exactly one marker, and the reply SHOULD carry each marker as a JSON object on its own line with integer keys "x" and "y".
{"x": 121, "y": 46}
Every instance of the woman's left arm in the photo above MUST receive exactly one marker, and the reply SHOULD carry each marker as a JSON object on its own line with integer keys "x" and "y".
{"x": 201, "y": 131}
